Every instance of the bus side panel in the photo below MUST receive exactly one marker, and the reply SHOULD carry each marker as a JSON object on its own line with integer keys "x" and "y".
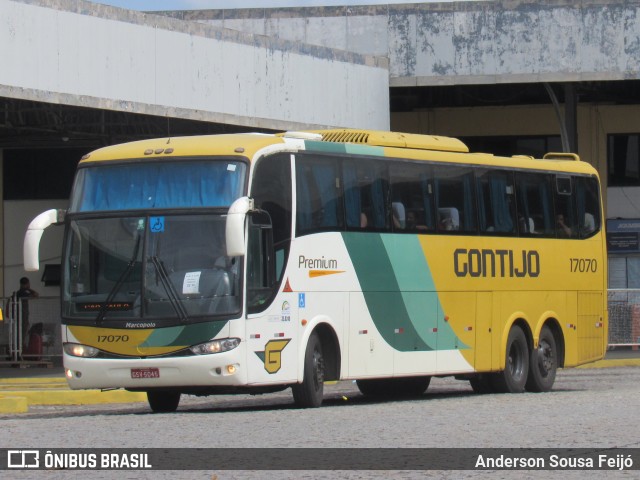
{"x": 456, "y": 332}
{"x": 273, "y": 343}
{"x": 483, "y": 348}
{"x": 590, "y": 326}
{"x": 368, "y": 353}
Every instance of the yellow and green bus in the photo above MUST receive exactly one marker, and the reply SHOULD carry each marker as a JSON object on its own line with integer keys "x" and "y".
{"x": 250, "y": 263}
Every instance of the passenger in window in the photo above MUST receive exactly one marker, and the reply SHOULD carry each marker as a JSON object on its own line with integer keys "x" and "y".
{"x": 399, "y": 216}
{"x": 526, "y": 225}
{"x": 446, "y": 223}
{"x": 364, "y": 223}
{"x": 589, "y": 224}
{"x": 412, "y": 222}
{"x": 562, "y": 228}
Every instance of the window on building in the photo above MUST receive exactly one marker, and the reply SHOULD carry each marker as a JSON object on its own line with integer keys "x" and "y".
{"x": 623, "y": 160}
{"x": 624, "y": 272}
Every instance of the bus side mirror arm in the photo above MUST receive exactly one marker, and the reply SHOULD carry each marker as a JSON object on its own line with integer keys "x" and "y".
{"x": 31, "y": 246}
{"x": 235, "y": 227}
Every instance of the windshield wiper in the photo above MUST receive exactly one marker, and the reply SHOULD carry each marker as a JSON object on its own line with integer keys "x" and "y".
{"x": 168, "y": 286}
{"x": 125, "y": 274}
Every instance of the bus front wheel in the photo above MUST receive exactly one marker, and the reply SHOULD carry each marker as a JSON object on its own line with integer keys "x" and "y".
{"x": 543, "y": 363}
{"x": 514, "y": 376}
{"x": 163, "y": 402}
{"x": 309, "y": 393}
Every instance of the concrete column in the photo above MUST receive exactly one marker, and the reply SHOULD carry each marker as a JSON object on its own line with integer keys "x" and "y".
{"x": 571, "y": 116}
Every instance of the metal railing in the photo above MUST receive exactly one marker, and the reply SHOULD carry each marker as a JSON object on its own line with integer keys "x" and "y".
{"x": 624, "y": 317}
{"x": 30, "y": 331}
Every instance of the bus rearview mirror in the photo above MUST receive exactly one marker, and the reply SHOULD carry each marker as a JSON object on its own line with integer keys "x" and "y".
{"x": 235, "y": 227}
{"x": 31, "y": 246}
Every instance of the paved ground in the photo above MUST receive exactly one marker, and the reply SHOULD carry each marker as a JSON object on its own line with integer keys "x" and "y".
{"x": 592, "y": 408}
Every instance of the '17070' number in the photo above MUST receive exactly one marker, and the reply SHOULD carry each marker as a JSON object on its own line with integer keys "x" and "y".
{"x": 583, "y": 265}
{"x": 112, "y": 338}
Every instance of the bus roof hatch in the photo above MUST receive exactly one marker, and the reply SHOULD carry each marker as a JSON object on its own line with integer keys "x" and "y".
{"x": 393, "y": 139}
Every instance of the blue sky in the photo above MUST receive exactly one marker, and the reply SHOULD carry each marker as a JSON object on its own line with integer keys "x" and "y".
{"x": 216, "y": 4}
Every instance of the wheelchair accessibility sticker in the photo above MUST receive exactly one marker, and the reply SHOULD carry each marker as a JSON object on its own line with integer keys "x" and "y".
{"x": 156, "y": 224}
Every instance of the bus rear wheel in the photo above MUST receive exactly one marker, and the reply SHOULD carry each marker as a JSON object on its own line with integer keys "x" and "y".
{"x": 310, "y": 392}
{"x": 514, "y": 376}
{"x": 543, "y": 363}
{"x": 481, "y": 383}
{"x": 163, "y": 402}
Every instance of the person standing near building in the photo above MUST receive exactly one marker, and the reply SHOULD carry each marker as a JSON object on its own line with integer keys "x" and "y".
{"x": 23, "y": 295}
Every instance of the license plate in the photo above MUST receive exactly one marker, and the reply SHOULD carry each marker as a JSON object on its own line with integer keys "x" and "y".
{"x": 145, "y": 373}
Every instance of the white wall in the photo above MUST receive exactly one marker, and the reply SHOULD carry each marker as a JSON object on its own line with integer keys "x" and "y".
{"x": 81, "y": 53}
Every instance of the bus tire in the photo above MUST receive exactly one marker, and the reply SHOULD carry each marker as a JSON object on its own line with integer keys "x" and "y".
{"x": 481, "y": 383}
{"x": 411, "y": 386}
{"x": 310, "y": 392}
{"x": 394, "y": 387}
{"x": 373, "y": 387}
{"x": 543, "y": 363}
{"x": 163, "y": 402}
{"x": 514, "y": 376}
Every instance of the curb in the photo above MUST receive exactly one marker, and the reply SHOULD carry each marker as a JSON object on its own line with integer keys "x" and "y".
{"x": 11, "y": 404}
{"x": 16, "y": 397}
{"x": 76, "y": 397}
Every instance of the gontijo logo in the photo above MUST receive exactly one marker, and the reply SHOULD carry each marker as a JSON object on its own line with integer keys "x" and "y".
{"x": 495, "y": 263}
{"x": 272, "y": 354}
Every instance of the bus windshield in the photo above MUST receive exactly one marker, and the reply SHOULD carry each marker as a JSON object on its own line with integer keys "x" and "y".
{"x": 170, "y": 267}
{"x": 146, "y": 185}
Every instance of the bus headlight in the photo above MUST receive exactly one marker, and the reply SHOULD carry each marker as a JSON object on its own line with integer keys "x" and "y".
{"x": 216, "y": 346}
{"x": 78, "y": 350}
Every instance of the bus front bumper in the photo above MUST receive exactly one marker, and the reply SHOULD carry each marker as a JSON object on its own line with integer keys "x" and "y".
{"x": 221, "y": 369}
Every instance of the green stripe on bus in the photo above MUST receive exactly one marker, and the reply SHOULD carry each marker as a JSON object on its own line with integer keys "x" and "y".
{"x": 186, "y": 335}
{"x": 400, "y": 292}
{"x": 356, "y": 149}
{"x": 352, "y": 148}
{"x": 415, "y": 281}
{"x": 324, "y": 146}
{"x": 380, "y": 288}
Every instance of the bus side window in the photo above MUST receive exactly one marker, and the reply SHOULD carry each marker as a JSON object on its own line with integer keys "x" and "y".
{"x": 534, "y": 204}
{"x": 588, "y": 206}
{"x": 412, "y": 202}
{"x": 454, "y": 189}
{"x": 318, "y": 192}
{"x": 271, "y": 192}
{"x": 496, "y": 206}
{"x": 565, "y": 213}
{"x": 355, "y": 216}
{"x": 366, "y": 194}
